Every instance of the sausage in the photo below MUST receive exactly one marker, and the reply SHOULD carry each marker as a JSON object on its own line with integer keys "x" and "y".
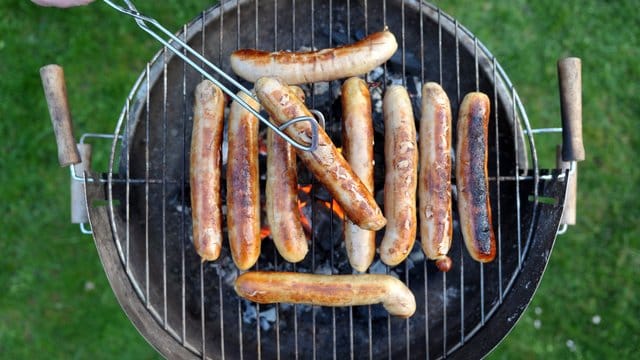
{"x": 325, "y": 162}
{"x": 243, "y": 184}
{"x": 282, "y": 210}
{"x": 434, "y": 184}
{"x": 313, "y": 66}
{"x": 204, "y": 170}
{"x": 327, "y": 290}
{"x": 401, "y": 176}
{"x": 474, "y": 206}
{"x": 357, "y": 148}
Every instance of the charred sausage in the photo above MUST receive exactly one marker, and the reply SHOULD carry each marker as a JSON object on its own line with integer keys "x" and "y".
{"x": 474, "y": 206}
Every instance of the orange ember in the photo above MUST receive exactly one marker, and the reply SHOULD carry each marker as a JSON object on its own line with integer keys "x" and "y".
{"x": 265, "y": 232}
{"x": 332, "y": 205}
{"x": 335, "y": 207}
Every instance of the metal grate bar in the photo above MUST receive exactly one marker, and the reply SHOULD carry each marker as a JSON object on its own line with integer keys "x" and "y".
{"x": 498, "y": 192}
{"x": 147, "y": 165}
{"x": 183, "y": 227}
{"x": 164, "y": 190}
{"x": 517, "y": 174}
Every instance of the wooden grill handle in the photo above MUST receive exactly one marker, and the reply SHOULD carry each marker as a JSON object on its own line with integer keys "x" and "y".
{"x": 570, "y": 81}
{"x": 55, "y": 91}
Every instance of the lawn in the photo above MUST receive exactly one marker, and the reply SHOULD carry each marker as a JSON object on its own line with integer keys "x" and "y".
{"x": 56, "y": 301}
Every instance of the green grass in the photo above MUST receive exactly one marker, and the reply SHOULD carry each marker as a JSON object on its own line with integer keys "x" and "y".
{"x": 48, "y": 307}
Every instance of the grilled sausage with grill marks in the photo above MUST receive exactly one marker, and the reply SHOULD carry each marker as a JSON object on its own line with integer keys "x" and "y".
{"x": 401, "y": 173}
{"x": 434, "y": 184}
{"x": 357, "y": 148}
{"x": 282, "y": 210}
{"x": 204, "y": 170}
{"x": 472, "y": 181}
{"x": 327, "y": 290}
{"x": 314, "y": 66}
{"x": 243, "y": 186}
{"x": 325, "y": 162}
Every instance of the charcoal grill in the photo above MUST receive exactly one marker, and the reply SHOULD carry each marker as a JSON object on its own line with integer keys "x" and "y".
{"x": 139, "y": 211}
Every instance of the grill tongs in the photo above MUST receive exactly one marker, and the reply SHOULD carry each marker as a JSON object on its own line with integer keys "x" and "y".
{"x": 144, "y": 22}
{"x": 53, "y": 79}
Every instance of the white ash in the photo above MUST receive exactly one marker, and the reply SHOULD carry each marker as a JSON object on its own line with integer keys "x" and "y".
{"x": 376, "y": 74}
{"x": 226, "y": 269}
{"x": 378, "y": 268}
{"x": 320, "y": 88}
{"x": 249, "y": 314}
{"x": 326, "y": 269}
{"x": 267, "y": 318}
{"x": 415, "y": 257}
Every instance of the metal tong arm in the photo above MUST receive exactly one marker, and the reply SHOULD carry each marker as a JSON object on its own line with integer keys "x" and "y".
{"x": 143, "y": 22}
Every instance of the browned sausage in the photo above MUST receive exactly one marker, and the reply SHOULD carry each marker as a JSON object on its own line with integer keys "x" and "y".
{"x": 472, "y": 181}
{"x": 434, "y": 184}
{"x": 282, "y": 210}
{"x": 313, "y": 66}
{"x": 325, "y": 162}
{"x": 401, "y": 176}
{"x": 327, "y": 290}
{"x": 357, "y": 148}
{"x": 243, "y": 186}
{"x": 204, "y": 170}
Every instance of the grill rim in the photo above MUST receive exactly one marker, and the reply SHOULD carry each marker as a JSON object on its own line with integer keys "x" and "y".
{"x": 131, "y": 116}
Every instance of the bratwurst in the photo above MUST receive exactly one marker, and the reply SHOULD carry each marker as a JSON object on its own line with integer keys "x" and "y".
{"x": 357, "y": 147}
{"x": 314, "y": 66}
{"x": 281, "y": 191}
{"x": 267, "y": 287}
{"x": 243, "y": 184}
{"x": 401, "y": 176}
{"x": 472, "y": 181}
{"x": 434, "y": 184}
{"x": 325, "y": 162}
{"x": 204, "y": 169}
